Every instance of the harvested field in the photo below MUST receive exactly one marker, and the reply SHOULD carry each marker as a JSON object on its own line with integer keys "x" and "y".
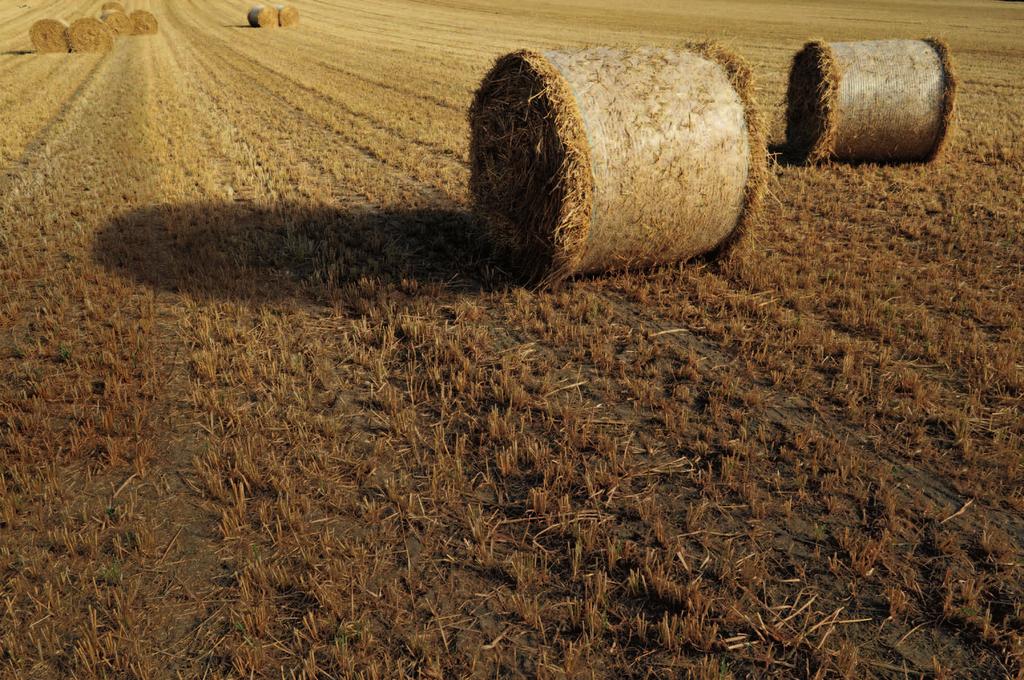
{"x": 270, "y": 407}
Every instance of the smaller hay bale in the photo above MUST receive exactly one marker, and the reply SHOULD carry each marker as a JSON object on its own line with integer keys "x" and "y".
{"x": 287, "y": 15}
{"x": 262, "y": 16}
{"x": 113, "y": 7}
{"x": 875, "y": 100}
{"x": 143, "y": 22}
{"x": 90, "y": 35}
{"x": 119, "y": 22}
{"x": 591, "y": 160}
{"x": 49, "y": 35}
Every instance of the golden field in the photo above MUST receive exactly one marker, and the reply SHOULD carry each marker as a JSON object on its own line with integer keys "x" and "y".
{"x": 269, "y": 408}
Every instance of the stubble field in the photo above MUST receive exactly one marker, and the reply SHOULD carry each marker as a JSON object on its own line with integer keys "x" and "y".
{"x": 268, "y": 407}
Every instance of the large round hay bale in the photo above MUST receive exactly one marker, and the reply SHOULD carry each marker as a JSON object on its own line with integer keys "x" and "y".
{"x": 877, "y": 100}
{"x": 119, "y": 22}
{"x": 49, "y": 35}
{"x": 598, "y": 159}
{"x": 143, "y": 22}
{"x": 262, "y": 16}
{"x": 90, "y": 35}
{"x": 113, "y": 7}
{"x": 287, "y": 15}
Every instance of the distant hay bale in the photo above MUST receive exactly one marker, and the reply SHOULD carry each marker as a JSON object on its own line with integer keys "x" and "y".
{"x": 599, "y": 159}
{"x": 262, "y": 16}
{"x": 113, "y": 7}
{"x": 90, "y": 35}
{"x": 143, "y": 22}
{"x": 878, "y": 100}
{"x": 287, "y": 15}
{"x": 119, "y": 22}
{"x": 49, "y": 35}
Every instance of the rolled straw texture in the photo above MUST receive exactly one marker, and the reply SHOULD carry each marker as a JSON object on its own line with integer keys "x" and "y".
{"x": 601, "y": 159}
{"x": 143, "y": 23}
{"x": 49, "y": 35}
{"x": 90, "y": 35}
{"x": 119, "y": 22}
{"x": 879, "y": 100}
{"x": 287, "y": 15}
{"x": 262, "y": 16}
{"x": 113, "y": 7}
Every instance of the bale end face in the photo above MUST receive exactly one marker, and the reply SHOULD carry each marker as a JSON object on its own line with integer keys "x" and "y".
{"x": 810, "y": 103}
{"x": 49, "y": 36}
{"x": 119, "y": 22}
{"x": 143, "y": 23}
{"x": 113, "y": 7}
{"x": 602, "y": 159}
{"x": 287, "y": 15}
{"x": 263, "y": 17}
{"x": 90, "y": 35}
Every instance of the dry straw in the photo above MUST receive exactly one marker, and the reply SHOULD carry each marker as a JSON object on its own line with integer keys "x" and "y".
{"x": 880, "y": 100}
{"x": 49, "y": 35}
{"x": 119, "y": 22}
{"x": 262, "y": 16}
{"x": 600, "y": 159}
{"x": 90, "y": 35}
{"x": 143, "y": 22}
{"x": 287, "y": 15}
{"x": 112, "y": 7}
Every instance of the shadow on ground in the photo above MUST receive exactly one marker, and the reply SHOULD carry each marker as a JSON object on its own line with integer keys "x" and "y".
{"x": 261, "y": 254}
{"x": 17, "y": 53}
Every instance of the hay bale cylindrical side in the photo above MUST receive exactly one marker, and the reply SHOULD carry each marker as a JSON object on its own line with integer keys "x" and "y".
{"x": 90, "y": 35}
{"x": 119, "y": 22}
{"x": 113, "y": 7}
{"x": 143, "y": 22}
{"x": 287, "y": 15}
{"x": 876, "y": 100}
{"x": 600, "y": 159}
{"x": 49, "y": 35}
{"x": 263, "y": 16}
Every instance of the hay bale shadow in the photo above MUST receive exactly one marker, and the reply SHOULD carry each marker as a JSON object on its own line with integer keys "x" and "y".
{"x": 17, "y": 53}
{"x": 238, "y": 251}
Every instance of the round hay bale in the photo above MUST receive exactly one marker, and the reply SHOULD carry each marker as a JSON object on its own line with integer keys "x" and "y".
{"x": 49, "y": 35}
{"x": 143, "y": 22}
{"x": 287, "y": 15}
{"x": 599, "y": 159}
{"x": 877, "y": 100}
{"x": 90, "y": 35}
{"x": 262, "y": 16}
{"x": 119, "y": 22}
{"x": 113, "y": 7}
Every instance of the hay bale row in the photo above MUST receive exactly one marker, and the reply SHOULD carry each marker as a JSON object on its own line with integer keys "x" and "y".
{"x": 89, "y": 34}
{"x": 597, "y": 159}
{"x": 877, "y": 100}
{"x": 263, "y": 16}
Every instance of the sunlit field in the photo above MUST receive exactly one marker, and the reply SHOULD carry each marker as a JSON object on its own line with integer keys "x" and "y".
{"x": 270, "y": 407}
